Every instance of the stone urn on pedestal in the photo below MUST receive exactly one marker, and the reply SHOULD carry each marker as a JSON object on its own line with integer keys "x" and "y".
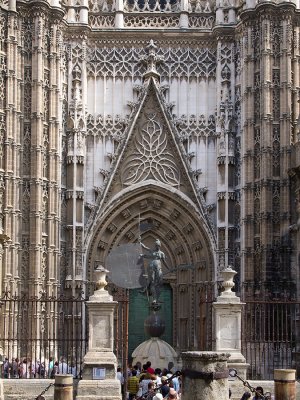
{"x": 99, "y": 380}
{"x": 227, "y": 325}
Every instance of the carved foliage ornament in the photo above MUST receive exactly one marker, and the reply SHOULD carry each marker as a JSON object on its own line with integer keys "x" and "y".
{"x": 150, "y": 157}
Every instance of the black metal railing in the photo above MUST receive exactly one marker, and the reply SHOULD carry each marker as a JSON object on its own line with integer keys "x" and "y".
{"x": 270, "y": 336}
{"x": 41, "y": 336}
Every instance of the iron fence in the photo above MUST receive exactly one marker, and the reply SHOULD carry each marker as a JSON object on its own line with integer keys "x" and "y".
{"x": 41, "y": 336}
{"x": 207, "y": 296}
{"x": 270, "y": 336}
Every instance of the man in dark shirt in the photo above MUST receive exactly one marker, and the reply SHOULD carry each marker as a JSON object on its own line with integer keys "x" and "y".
{"x": 165, "y": 388}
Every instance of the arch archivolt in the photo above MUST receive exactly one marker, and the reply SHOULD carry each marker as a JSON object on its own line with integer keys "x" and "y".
{"x": 185, "y": 239}
{"x": 175, "y": 221}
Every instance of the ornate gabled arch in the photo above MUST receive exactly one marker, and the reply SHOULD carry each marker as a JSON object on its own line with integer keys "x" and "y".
{"x": 177, "y": 222}
{"x": 185, "y": 238}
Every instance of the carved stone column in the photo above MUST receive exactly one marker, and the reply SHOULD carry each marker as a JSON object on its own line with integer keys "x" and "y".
{"x": 10, "y": 146}
{"x": 99, "y": 370}
{"x": 76, "y": 166}
{"x": 225, "y": 146}
{"x": 269, "y": 90}
{"x": 184, "y": 16}
{"x": 119, "y": 17}
{"x": 197, "y": 363}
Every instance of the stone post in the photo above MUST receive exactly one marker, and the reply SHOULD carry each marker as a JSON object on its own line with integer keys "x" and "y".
{"x": 84, "y": 12}
{"x": 63, "y": 387}
{"x": 195, "y": 363}
{"x": 184, "y": 15}
{"x": 100, "y": 365}
{"x": 227, "y": 326}
{"x": 119, "y": 17}
{"x": 1, "y": 385}
{"x": 285, "y": 384}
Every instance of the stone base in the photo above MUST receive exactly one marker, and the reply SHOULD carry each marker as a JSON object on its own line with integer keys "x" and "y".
{"x": 1, "y": 389}
{"x": 103, "y": 359}
{"x": 107, "y": 389}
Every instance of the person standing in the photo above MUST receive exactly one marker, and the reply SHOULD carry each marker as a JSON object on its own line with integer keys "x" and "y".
{"x": 144, "y": 383}
{"x": 63, "y": 366}
{"x": 150, "y": 370}
{"x": 151, "y": 391}
{"x": 259, "y": 393}
{"x": 51, "y": 367}
{"x": 133, "y": 384}
{"x": 6, "y": 368}
{"x": 165, "y": 388}
{"x": 172, "y": 395}
{"x": 176, "y": 384}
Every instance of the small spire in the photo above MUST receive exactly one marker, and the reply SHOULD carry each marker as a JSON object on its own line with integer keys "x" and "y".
{"x": 151, "y": 60}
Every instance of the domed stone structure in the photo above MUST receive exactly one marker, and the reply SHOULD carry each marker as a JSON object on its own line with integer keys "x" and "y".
{"x": 156, "y": 350}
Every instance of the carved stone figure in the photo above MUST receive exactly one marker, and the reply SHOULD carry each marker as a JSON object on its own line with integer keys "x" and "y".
{"x": 157, "y": 257}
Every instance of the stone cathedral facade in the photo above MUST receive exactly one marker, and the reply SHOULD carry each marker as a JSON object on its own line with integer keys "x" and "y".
{"x": 183, "y": 114}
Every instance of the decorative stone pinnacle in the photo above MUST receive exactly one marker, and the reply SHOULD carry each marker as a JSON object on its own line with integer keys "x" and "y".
{"x": 100, "y": 276}
{"x": 151, "y": 60}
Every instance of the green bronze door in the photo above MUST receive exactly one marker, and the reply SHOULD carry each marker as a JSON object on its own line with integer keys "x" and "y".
{"x": 139, "y": 311}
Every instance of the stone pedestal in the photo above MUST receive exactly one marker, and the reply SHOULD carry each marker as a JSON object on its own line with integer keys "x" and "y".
{"x": 198, "y": 388}
{"x": 227, "y": 327}
{"x": 100, "y": 365}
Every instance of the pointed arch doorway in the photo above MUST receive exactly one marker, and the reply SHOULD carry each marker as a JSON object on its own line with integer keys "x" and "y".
{"x": 186, "y": 241}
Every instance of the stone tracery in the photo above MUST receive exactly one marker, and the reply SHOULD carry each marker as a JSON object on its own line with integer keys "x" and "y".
{"x": 150, "y": 158}
{"x": 179, "y": 62}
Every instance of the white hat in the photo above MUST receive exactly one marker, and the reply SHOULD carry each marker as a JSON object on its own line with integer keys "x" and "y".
{"x": 158, "y": 396}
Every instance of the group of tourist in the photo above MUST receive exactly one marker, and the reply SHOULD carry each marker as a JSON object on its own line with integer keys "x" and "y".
{"x": 144, "y": 383}
{"x": 27, "y": 368}
{"x": 147, "y": 383}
